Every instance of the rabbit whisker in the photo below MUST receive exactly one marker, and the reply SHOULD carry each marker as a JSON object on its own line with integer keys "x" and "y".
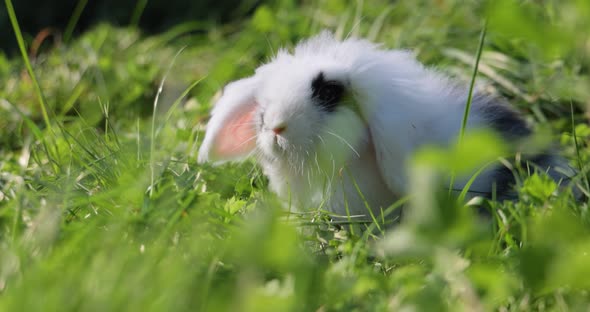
{"x": 317, "y": 163}
{"x": 248, "y": 123}
{"x": 254, "y": 137}
{"x": 321, "y": 139}
{"x": 344, "y": 141}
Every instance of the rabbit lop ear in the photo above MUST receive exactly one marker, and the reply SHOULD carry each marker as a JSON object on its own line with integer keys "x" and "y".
{"x": 231, "y": 131}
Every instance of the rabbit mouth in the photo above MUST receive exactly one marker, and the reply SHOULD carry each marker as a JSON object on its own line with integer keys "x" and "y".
{"x": 273, "y": 146}
{"x": 278, "y": 145}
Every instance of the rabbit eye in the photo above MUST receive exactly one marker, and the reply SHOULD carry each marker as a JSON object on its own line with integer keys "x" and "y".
{"x": 326, "y": 93}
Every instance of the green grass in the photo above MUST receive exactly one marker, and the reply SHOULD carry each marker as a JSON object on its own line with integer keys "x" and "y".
{"x": 103, "y": 206}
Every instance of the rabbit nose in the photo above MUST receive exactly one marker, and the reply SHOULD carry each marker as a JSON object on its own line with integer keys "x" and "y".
{"x": 279, "y": 129}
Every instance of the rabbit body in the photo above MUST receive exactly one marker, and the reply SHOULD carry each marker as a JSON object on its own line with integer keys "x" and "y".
{"x": 334, "y": 123}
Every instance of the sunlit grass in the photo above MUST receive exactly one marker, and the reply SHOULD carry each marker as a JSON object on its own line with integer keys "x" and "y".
{"x": 110, "y": 211}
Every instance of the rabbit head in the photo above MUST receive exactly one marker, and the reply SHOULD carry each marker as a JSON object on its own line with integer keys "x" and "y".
{"x": 296, "y": 109}
{"x": 299, "y": 115}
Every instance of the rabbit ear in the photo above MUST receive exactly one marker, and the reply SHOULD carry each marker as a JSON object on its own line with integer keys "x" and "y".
{"x": 392, "y": 129}
{"x": 231, "y": 131}
{"x": 390, "y": 161}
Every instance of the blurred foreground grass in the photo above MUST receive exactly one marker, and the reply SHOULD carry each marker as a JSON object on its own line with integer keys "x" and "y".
{"x": 107, "y": 210}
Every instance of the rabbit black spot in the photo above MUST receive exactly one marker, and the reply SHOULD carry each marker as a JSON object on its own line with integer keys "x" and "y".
{"x": 326, "y": 93}
{"x": 502, "y": 118}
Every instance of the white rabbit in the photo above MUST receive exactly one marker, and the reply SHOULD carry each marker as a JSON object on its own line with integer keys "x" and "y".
{"x": 333, "y": 124}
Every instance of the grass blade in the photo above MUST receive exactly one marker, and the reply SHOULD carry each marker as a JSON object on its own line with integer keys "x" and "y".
{"x": 482, "y": 38}
{"x": 74, "y": 20}
{"x": 25, "y": 56}
{"x": 153, "y": 130}
{"x": 137, "y": 12}
{"x": 578, "y": 156}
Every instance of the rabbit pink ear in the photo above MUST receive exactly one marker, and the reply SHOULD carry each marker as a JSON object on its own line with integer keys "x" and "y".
{"x": 231, "y": 131}
{"x": 237, "y": 136}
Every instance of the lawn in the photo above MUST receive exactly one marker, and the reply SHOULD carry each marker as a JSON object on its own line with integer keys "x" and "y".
{"x": 103, "y": 206}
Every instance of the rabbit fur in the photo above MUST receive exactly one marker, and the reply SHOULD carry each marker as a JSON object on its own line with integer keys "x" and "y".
{"x": 334, "y": 123}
